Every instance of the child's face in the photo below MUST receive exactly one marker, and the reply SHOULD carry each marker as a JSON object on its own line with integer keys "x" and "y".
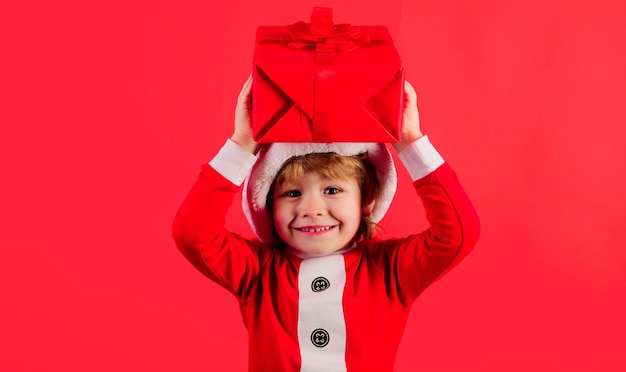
{"x": 317, "y": 215}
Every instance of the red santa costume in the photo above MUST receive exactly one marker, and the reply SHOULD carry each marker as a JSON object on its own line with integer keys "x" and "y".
{"x": 341, "y": 312}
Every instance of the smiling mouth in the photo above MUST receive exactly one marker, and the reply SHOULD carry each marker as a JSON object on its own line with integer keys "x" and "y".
{"x": 314, "y": 229}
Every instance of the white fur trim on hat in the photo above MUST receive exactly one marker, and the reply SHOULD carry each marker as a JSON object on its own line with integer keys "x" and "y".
{"x": 271, "y": 159}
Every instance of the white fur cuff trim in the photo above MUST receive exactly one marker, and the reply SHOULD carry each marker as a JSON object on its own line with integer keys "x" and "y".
{"x": 233, "y": 162}
{"x": 420, "y": 158}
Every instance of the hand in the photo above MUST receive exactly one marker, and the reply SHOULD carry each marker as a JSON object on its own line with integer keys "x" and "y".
{"x": 410, "y": 119}
{"x": 243, "y": 123}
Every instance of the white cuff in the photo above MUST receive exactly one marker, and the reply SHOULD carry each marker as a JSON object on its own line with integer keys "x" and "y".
{"x": 233, "y": 162}
{"x": 420, "y": 158}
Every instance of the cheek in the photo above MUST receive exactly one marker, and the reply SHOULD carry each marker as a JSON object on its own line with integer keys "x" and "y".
{"x": 350, "y": 211}
{"x": 280, "y": 216}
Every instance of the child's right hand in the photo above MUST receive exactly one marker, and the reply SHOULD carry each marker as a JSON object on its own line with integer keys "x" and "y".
{"x": 243, "y": 122}
{"x": 410, "y": 119}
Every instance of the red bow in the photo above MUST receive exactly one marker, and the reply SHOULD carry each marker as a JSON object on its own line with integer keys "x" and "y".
{"x": 322, "y": 36}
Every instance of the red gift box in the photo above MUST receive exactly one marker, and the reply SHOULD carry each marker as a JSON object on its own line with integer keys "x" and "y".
{"x": 319, "y": 82}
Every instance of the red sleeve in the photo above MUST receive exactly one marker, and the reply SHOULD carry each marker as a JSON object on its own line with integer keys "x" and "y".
{"x": 199, "y": 233}
{"x": 413, "y": 263}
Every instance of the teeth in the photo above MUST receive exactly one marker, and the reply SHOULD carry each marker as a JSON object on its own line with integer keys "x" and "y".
{"x": 316, "y": 230}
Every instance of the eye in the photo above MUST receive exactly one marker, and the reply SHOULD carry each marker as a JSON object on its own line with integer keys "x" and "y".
{"x": 292, "y": 193}
{"x": 332, "y": 191}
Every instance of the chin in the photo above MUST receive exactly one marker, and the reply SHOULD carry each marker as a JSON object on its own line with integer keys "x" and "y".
{"x": 317, "y": 252}
{"x": 322, "y": 251}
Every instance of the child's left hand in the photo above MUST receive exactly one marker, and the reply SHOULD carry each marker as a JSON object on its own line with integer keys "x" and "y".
{"x": 410, "y": 119}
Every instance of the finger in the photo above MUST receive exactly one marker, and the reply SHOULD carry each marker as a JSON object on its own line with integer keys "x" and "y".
{"x": 245, "y": 90}
{"x": 409, "y": 91}
{"x": 249, "y": 92}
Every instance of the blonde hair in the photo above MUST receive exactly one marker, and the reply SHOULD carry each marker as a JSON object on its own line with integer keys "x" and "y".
{"x": 332, "y": 165}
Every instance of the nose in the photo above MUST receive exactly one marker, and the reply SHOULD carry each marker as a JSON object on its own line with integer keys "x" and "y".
{"x": 312, "y": 206}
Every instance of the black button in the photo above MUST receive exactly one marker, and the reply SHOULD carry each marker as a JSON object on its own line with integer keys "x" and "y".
{"x": 319, "y": 284}
{"x": 320, "y": 337}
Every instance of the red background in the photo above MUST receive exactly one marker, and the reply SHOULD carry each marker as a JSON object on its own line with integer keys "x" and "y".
{"x": 108, "y": 110}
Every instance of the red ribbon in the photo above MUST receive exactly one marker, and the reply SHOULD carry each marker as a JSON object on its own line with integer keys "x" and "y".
{"x": 322, "y": 36}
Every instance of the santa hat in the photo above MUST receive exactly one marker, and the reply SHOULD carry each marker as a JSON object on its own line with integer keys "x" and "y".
{"x": 271, "y": 159}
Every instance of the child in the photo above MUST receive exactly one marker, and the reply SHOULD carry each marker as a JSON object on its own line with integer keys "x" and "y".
{"x": 318, "y": 290}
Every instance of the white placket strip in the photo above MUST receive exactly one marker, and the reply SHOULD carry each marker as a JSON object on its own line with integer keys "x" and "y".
{"x": 321, "y": 322}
